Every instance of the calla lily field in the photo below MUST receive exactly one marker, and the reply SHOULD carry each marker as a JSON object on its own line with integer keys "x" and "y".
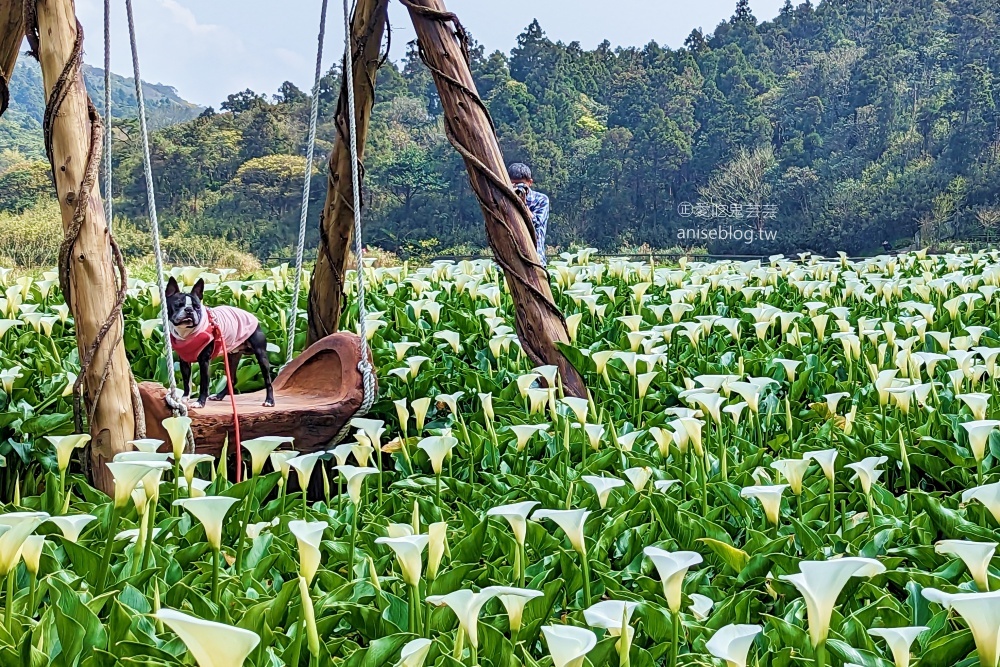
{"x": 779, "y": 462}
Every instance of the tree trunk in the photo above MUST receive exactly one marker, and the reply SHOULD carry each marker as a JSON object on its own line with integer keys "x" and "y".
{"x": 336, "y": 225}
{"x": 539, "y": 323}
{"x": 94, "y": 287}
{"x": 11, "y": 36}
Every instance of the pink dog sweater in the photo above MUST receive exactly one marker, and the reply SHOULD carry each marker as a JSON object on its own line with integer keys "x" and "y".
{"x": 233, "y": 325}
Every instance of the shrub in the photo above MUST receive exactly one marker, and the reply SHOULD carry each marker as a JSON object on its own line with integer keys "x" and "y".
{"x": 208, "y": 251}
{"x": 31, "y": 238}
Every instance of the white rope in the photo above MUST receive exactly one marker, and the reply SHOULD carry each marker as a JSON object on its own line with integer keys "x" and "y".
{"x": 107, "y": 112}
{"x": 293, "y": 316}
{"x": 177, "y": 406}
{"x": 367, "y": 372}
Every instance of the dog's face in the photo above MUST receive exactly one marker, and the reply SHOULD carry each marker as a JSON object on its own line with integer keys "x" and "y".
{"x": 184, "y": 309}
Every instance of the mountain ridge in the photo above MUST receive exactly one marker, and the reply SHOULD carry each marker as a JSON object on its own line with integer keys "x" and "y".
{"x": 21, "y": 125}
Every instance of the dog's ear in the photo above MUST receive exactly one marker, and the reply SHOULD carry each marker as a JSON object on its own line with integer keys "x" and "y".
{"x": 199, "y": 289}
{"x": 172, "y": 287}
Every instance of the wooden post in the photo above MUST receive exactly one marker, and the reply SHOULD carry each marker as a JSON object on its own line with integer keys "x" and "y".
{"x": 94, "y": 288}
{"x": 326, "y": 294}
{"x": 11, "y": 36}
{"x": 539, "y": 323}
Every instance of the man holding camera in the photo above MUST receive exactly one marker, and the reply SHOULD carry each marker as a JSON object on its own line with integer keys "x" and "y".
{"x": 537, "y": 203}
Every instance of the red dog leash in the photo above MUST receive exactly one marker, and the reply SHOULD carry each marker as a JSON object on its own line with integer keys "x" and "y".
{"x": 217, "y": 334}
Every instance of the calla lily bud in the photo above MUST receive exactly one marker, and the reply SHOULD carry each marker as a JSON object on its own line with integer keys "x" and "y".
{"x": 437, "y": 544}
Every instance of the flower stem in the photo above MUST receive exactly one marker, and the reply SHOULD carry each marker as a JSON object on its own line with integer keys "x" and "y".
{"x": 415, "y": 602}
{"x": 32, "y": 591}
{"x": 833, "y": 507}
{"x": 215, "y": 576}
{"x": 586, "y": 580}
{"x": 459, "y": 644}
{"x": 437, "y": 492}
{"x": 675, "y": 635}
{"x": 177, "y": 486}
{"x": 147, "y": 547}
{"x": 871, "y": 511}
{"x": 354, "y": 540}
{"x": 704, "y": 486}
{"x": 102, "y": 573}
{"x": 821, "y": 654}
{"x": 62, "y": 488}
{"x": 244, "y": 521}
{"x": 8, "y": 607}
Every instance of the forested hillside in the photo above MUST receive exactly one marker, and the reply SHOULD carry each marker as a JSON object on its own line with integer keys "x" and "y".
{"x": 21, "y": 125}
{"x": 834, "y": 126}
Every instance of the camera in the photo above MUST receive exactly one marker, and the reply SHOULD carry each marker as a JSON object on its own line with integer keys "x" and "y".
{"x": 521, "y": 189}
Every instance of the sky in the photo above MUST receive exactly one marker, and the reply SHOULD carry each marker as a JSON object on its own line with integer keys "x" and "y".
{"x": 207, "y": 49}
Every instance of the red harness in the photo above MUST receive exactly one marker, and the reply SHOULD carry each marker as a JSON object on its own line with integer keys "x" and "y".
{"x": 188, "y": 349}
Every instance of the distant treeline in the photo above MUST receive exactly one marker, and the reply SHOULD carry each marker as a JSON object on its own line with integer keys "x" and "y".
{"x": 834, "y": 126}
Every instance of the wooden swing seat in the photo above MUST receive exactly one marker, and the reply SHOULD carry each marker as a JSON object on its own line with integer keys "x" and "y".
{"x": 315, "y": 396}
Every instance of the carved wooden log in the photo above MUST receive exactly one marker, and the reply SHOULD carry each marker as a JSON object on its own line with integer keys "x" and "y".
{"x": 315, "y": 395}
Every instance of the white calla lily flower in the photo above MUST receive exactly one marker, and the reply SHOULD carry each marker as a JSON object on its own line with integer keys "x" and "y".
{"x": 355, "y": 476}
{"x": 867, "y": 471}
{"x": 514, "y": 601}
{"x": 988, "y": 495}
{"x": 437, "y": 447}
{"x": 793, "y": 470}
{"x": 260, "y": 449}
{"x": 981, "y": 611}
{"x": 672, "y": 568}
{"x": 466, "y": 604}
{"x": 568, "y": 645}
{"x": 414, "y": 653}
{"x": 571, "y": 522}
{"x": 821, "y": 582}
{"x": 308, "y": 535}
{"x": 732, "y": 643}
{"x": 409, "y": 554}
{"x": 899, "y": 641}
{"x": 975, "y": 555}
{"x": 65, "y": 444}
{"x": 603, "y": 486}
{"x": 128, "y": 474}
{"x": 304, "y": 464}
{"x": 72, "y": 526}
{"x": 211, "y": 511}
{"x": 979, "y": 433}
{"x": 177, "y": 428}
{"x": 211, "y": 644}
{"x": 516, "y": 515}
{"x": 769, "y": 498}
{"x": 826, "y": 459}
{"x": 701, "y": 606}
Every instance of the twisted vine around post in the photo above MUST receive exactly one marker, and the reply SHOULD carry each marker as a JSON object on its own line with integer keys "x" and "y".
{"x": 81, "y": 201}
{"x": 499, "y": 184}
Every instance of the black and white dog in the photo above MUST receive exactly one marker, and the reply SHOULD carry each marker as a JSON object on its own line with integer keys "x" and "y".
{"x": 197, "y": 333}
